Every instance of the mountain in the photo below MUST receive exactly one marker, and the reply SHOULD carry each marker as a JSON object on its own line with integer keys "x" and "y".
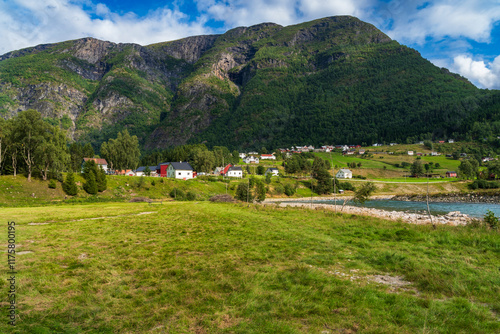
{"x": 333, "y": 80}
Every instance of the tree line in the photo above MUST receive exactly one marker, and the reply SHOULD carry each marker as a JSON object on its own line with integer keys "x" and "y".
{"x": 30, "y": 145}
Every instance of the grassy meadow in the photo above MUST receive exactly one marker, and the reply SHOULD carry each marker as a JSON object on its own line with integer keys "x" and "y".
{"x": 203, "y": 267}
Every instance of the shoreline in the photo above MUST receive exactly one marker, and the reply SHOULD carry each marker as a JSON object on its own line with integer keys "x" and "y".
{"x": 454, "y": 218}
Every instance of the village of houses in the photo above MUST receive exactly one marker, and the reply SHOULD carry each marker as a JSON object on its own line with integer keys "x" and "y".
{"x": 184, "y": 171}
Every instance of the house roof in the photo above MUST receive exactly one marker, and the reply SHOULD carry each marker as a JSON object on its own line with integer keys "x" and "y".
{"x": 161, "y": 163}
{"x": 345, "y": 170}
{"x": 97, "y": 161}
{"x": 142, "y": 168}
{"x": 273, "y": 169}
{"x": 181, "y": 166}
{"x": 232, "y": 169}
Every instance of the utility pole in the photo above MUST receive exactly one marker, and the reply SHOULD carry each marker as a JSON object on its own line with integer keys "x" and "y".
{"x": 428, "y": 209}
{"x": 334, "y": 184}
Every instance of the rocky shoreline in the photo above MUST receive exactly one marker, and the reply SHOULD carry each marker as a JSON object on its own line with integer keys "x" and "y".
{"x": 451, "y": 197}
{"x": 452, "y": 218}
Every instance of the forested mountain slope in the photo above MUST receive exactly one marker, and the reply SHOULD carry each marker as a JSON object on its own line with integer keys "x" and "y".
{"x": 333, "y": 80}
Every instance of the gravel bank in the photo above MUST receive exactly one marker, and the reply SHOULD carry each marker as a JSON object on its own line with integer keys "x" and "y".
{"x": 453, "y": 218}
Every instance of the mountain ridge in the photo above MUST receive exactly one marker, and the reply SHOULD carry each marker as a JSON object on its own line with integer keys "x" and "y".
{"x": 249, "y": 87}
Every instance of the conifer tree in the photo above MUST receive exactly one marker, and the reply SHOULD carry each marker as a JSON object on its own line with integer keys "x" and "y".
{"x": 69, "y": 185}
{"x": 101, "y": 181}
{"x": 91, "y": 185}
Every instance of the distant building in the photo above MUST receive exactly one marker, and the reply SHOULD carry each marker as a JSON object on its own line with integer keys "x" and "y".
{"x": 272, "y": 171}
{"x": 99, "y": 162}
{"x": 180, "y": 170}
{"x": 140, "y": 171}
{"x": 251, "y": 160}
{"x": 344, "y": 173}
{"x": 234, "y": 172}
{"x": 267, "y": 157}
{"x": 410, "y": 152}
{"x": 451, "y": 174}
{"x": 161, "y": 169}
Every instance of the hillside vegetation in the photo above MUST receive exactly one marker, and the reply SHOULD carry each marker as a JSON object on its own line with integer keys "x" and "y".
{"x": 333, "y": 80}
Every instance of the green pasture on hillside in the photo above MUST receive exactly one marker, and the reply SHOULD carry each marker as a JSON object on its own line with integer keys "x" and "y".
{"x": 203, "y": 267}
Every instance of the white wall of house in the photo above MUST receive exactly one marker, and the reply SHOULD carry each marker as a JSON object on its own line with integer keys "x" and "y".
{"x": 251, "y": 159}
{"x": 344, "y": 174}
{"x": 183, "y": 174}
{"x": 235, "y": 173}
{"x": 274, "y": 172}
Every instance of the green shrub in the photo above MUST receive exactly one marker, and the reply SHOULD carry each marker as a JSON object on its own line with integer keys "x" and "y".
{"x": 491, "y": 220}
{"x": 279, "y": 189}
{"x": 190, "y": 196}
{"x": 178, "y": 194}
{"x": 346, "y": 186}
{"x": 243, "y": 193}
{"x": 483, "y": 184}
{"x": 289, "y": 190}
{"x": 52, "y": 184}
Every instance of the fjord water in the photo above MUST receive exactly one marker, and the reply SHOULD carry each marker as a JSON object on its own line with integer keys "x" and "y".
{"x": 477, "y": 210}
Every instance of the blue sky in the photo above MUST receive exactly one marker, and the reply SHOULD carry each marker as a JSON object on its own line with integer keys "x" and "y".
{"x": 461, "y": 35}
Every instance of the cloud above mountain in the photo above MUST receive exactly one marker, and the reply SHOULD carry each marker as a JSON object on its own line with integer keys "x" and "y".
{"x": 461, "y": 34}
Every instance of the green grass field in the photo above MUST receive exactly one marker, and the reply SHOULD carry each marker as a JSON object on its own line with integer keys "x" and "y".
{"x": 202, "y": 267}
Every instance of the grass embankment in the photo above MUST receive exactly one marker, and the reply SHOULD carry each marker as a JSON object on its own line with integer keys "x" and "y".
{"x": 16, "y": 191}
{"x": 232, "y": 268}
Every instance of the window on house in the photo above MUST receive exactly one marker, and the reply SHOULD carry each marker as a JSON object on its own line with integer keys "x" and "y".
{"x": 179, "y": 173}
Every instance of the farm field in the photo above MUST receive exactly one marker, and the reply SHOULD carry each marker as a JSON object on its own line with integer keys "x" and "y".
{"x": 185, "y": 267}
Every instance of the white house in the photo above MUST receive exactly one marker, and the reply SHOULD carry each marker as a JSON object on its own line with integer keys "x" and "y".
{"x": 234, "y": 172}
{"x": 251, "y": 160}
{"x": 180, "y": 170}
{"x": 410, "y": 152}
{"x": 267, "y": 157}
{"x": 141, "y": 171}
{"x": 273, "y": 171}
{"x": 344, "y": 173}
{"x": 242, "y": 155}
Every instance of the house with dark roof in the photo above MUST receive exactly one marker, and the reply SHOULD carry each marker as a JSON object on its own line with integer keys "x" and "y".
{"x": 272, "y": 171}
{"x": 141, "y": 171}
{"x": 161, "y": 169}
{"x": 234, "y": 172}
{"x": 180, "y": 170}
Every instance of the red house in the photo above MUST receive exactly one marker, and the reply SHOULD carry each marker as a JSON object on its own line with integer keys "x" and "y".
{"x": 161, "y": 169}
{"x": 451, "y": 174}
{"x": 226, "y": 169}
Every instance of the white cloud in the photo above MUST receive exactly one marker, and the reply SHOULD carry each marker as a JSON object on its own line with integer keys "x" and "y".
{"x": 285, "y": 12}
{"x": 27, "y": 23}
{"x": 486, "y": 75}
{"x": 415, "y": 20}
